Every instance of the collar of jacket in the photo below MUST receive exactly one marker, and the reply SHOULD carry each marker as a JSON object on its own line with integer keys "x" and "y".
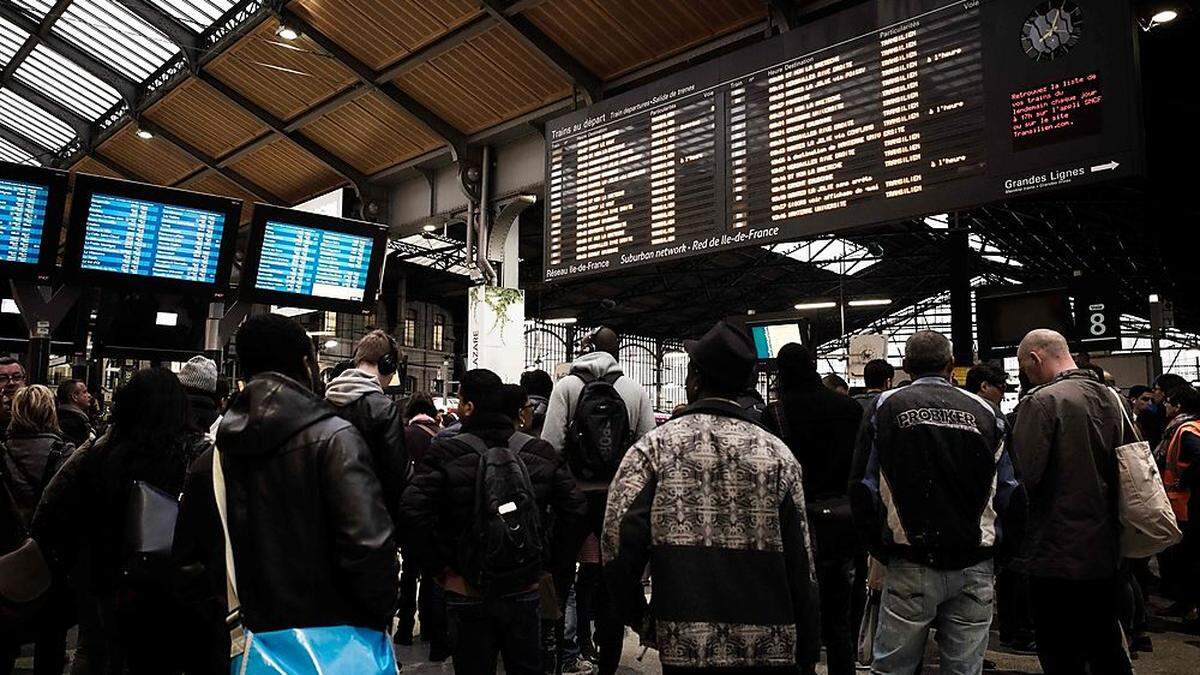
{"x": 932, "y": 379}
{"x": 717, "y": 406}
{"x": 487, "y": 421}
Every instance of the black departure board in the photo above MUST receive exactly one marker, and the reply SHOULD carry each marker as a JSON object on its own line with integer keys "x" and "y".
{"x": 889, "y": 110}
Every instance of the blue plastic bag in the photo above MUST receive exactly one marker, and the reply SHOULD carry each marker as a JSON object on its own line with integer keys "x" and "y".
{"x": 325, "y": 650}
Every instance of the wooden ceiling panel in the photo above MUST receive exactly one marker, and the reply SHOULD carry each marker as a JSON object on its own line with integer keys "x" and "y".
{"x": 198, "y": 114}
{"x": 89, "y": 165}
{"x": 380, "y": 32}
{"x": 613, "y": 37}
{"x": 153, "y": 159}
{"x": 213, "y": 183}
{"x": 287, "y": 170}
{"x": 371, "y": 134}
{"x": 492, "y": 78}
{"x": 284, "y": 78}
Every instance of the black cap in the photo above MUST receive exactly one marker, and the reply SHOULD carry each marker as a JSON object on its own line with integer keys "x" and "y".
{"x": 725, "y": 356}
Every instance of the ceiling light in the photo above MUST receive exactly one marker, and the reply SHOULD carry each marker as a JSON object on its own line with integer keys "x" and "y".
{"x": 331, "y": 344}
{"x": 878, "y": 302}
{"x": 562, "y": 321}
{"x": 816, "y": 305}
{"x": 1165, "y": 16}
{"x": 286, "y": 32}
{"x": 166, "y": 319}
{"x": 9, "y": 306}
{"x": 1153, "y": 298}
{"x": 144, "y": 135}
{"x": 430, "y": 228}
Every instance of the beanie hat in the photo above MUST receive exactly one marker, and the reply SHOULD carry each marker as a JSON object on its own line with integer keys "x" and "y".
{"x": 199, "y": 373}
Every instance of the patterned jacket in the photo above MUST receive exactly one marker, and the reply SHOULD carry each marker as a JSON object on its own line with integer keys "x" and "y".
{"x": 715, "y": 505}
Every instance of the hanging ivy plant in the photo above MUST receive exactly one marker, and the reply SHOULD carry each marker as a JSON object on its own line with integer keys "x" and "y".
{"x": 499, "y": 300}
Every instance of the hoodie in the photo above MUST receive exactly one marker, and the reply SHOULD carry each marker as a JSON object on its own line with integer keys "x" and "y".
{"x": 313, "y": 543}
{"x": 566, "y": 395}
{"x": 357, "y": 398}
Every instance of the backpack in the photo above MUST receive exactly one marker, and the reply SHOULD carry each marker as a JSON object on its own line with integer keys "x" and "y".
{"x": 502, "y": 551}
{"x": 598, "y": 434}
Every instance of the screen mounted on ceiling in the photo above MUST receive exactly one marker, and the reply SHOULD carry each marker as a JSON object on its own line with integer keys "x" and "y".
{"x": 31, "y": 214}
{"x": 308, "y": 260}
{"x": 131, "y": 234}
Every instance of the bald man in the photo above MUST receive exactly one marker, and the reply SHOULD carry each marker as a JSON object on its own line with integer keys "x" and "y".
{"x": 1063, "y": 442}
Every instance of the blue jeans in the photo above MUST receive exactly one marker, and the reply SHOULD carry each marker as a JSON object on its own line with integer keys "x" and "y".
{"x": 483, "y": 628}
{"x": 957, "y": 603}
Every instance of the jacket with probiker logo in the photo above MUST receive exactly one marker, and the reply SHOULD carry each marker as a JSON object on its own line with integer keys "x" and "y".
{"x": 931, "y": 476}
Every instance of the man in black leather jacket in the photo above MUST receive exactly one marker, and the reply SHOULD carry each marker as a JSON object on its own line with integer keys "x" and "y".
{"x": 357, "y": 396}
{"x": 313, "y": 544}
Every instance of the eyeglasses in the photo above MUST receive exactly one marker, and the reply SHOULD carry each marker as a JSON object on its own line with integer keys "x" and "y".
{"x": 15, "y": 378}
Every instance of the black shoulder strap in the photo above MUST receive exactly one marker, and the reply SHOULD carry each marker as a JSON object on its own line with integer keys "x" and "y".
{"x": 584, "y": 375}
{"x": 10, "y": 500}
{"x": 781, "y": 422}
{"x": 9, "y": 459}
{"x": 518, "y": 441}
{"x": 612, "y": 378}
{"x": 473, "y": 442}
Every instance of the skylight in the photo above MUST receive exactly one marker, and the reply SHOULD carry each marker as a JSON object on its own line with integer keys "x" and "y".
{"x": 67, "y": 83}
{"x": 11, "y": 153}
{"x": 32, "y": 122}
{"x": 990, "y": 252}
{"x": 115, "y": 36}
{"x": 34, "y": 8}
{"x": 195, "y": 14}
{"x": 11, "y": 39}
{"x": 836, "y": 255}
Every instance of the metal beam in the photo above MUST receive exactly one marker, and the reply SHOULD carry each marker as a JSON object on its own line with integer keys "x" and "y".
{"x": 185, "y": 38}
{"x": 782, "y": 12}
{"x": 199, "y": 156}
{"x": 278, "y": 126}
{"x": 347, "y": 97}
{"x": 550, "y": 52}
{"x": 82, "y": 127}
{"x": 127, "y": 174}
{"x": 127, "y": 88}
{"x": 454, "y": 38}
{"x": 25, "y": 143}
{"x": 440, "y": 127}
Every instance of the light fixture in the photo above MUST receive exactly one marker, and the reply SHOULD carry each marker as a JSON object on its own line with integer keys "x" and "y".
{"x": 286, "y": 32}
{"x": 9, "y": 306}
{"x": 331, "y": 344}
{"x": 1163, "y": 16}
{"x": 562, "y": 321}
{"x": 166, "y": 319}
{"x": 320, "y": 333}
{"x": 430, "y": 228}
{"x": 816, "y": 305}
{"x": 144, "y": 135}
{"x": 1153, "y": 298}
{"x": 877, "y": 302}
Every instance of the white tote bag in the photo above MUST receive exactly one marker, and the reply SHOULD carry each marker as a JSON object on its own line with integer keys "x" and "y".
{"x": 1148, "y": 524}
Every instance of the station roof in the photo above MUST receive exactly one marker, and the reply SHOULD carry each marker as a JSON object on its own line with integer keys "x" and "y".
{"x": 368, "y": 91}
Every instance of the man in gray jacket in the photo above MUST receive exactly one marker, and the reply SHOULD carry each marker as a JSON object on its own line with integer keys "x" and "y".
{"x": 1064, "y": 439}
{"x": 598, "y": 364}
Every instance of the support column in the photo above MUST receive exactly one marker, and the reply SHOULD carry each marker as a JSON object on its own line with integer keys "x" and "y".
{"x": 42, "y": 309}
{"x": 960, "y": 295}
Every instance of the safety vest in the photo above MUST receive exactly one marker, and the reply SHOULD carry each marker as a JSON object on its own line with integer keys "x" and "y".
{"x": 1173, "y": 472}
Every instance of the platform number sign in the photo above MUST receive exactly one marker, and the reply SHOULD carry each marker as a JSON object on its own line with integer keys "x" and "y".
{"x": 1097, "y": 323}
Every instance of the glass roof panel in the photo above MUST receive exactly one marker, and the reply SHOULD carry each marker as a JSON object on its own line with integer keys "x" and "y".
{"x": 116, "y": 36}
{"x": 11, "y": 153}
{"x": 195, "y": 14}
{"x": 11, "y": 39}
{"x": 32, "y": 122}
{"x": 35, "y": 8}
{"x": 67, "y": 83}
{"x": 834, "y": 254}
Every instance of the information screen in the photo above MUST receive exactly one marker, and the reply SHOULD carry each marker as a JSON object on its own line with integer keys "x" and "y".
{"x": 769, "y": 339}
{"x": 124, "y": 235}
{"x": 22, "y": 221}
{"x": 889, "y": 110}
{"x": 311, "y": 261}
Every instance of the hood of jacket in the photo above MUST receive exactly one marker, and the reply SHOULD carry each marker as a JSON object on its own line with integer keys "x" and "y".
{"x": 267, "y": 413}
{"x": 598, "y": 364}
{"x": 350, "y": 386}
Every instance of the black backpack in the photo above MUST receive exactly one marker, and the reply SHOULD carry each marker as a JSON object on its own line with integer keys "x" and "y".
{"x": 599, "y": 433}
{"x": 503, "y": 551}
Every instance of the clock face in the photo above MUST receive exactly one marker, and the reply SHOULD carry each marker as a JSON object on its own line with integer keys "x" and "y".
{"x": 1052, "y": 30}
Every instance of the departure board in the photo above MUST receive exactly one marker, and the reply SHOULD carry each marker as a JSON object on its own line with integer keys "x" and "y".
{"x": 22, "y": 220}
{"x": 311, "y": 261}
{"x": 124, "y": 235}
{"x": 889, "y": 110}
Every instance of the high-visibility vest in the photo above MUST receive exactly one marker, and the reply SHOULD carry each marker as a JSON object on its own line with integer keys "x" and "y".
{"x": 1177, "y": 492}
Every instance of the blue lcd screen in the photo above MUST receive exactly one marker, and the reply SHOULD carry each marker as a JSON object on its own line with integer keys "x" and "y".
{"x": 22, "y": 219}
{"x": 152, "y": 239}
{"x": 315, "y": 262}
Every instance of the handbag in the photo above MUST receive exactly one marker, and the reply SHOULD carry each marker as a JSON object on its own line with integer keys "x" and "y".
{"x": 294, "y": 651}
{"x": 1148, "y": 524}
{"x": 25, "y": 576}
{"x": 150, "y": 516}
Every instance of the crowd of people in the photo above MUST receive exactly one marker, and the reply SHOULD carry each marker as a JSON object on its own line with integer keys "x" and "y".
{"x": 541, "y": 522}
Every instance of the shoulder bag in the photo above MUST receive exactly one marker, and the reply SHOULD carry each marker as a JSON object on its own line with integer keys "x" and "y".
{"x": 1148, "y": 524}
{"x": 25, "y": 576}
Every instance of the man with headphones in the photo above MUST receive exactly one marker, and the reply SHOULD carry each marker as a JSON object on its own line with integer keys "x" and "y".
{"x": 357, "y": 396}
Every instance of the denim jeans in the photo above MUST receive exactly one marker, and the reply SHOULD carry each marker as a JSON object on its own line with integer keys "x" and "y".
{"x": 483, "y": 628}
{"x": 570, "y": 641}
{"x": 957, "y": 603}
